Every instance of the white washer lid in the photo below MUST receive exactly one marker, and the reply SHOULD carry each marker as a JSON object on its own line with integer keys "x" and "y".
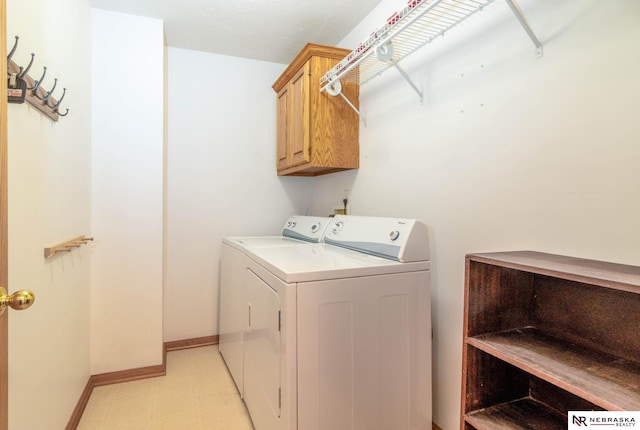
{"x": 320, "y": 261}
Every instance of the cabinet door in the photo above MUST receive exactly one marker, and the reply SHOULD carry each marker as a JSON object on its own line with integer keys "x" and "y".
{"x": 282, "y": 138}
{"x": 298, "y": 117}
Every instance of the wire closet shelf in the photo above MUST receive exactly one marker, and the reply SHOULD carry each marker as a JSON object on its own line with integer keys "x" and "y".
{"x": 407, "y": 30}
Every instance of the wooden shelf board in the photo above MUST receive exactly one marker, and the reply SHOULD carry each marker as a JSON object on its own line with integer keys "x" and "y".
{"x": 523, "y": 414}
{"x": 604, "y": 274}
{"x": 605, "y": 380}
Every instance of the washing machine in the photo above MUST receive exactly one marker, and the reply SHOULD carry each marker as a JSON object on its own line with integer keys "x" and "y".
{"x": 296, "y": 230}
{"x": 337, "y": 334}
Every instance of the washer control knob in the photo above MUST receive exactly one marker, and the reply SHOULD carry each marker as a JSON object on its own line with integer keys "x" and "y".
{"x": 315, "y": 227}
{"x": 293, "y": 224}
{"x": 337, "y": 227}
{"x": 394, "y": 235}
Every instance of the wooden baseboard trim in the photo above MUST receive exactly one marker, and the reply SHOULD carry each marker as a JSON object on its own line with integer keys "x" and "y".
{"x": 435, "y": 426}
{"x": 128, "y": 375}
{"x": 113, "y": 378}
{"x": 133, "y": 374}
{"x": 82, "y": 403}
{"x": 191, "y": 343}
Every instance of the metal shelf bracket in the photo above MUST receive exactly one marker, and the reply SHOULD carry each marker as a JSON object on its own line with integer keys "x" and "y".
{"x": 408, "y": 79}
{"x": 525, "y": 24}
{"x": 335, "y": 89}
{"x": 385, "y": 53}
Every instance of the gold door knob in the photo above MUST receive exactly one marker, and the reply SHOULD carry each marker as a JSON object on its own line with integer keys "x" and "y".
{"x": 19, "y": 300}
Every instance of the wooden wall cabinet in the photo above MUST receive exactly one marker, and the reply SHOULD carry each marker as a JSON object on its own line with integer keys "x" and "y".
{"x": 316, "y": 133}
{"x": 545, "y": 334}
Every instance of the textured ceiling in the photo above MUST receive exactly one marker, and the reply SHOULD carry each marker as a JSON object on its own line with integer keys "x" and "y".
{"x": 268, "y": 30}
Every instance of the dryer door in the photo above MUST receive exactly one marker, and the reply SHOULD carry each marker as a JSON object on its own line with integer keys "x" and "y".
{"x": 262, "y": 353}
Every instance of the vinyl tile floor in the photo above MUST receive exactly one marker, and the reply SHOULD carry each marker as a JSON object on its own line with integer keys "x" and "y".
{"x": 196, "y": 394}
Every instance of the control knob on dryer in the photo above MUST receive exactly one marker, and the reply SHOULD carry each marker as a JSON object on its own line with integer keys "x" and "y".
{"x": 394, "y": 235}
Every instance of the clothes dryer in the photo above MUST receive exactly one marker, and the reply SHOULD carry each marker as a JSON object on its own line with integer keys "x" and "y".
{"x": 297, "y": 230}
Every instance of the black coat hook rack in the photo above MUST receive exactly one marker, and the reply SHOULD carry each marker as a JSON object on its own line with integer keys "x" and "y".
{"x": 22, "y": 87}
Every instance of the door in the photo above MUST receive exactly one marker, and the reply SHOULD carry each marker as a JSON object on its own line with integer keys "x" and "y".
{"x": 262, "y": 353}
{"x": 299, "y": 117}
{"x": 282, "y": 127}
{"x": 4, "y": 374}
{"x": 24, "y": 299}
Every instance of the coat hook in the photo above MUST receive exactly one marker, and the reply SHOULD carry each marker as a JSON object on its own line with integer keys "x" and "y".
{"x": 24, "y": 72}
{"x": 57, "y": 105}
{"x": 46, "y": 97}
{"x": 13, "y": 50}
{"x": 46, "y": 101}
{"x": 36, "y": 84}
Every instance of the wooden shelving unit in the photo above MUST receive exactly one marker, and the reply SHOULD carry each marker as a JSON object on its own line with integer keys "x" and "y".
{"x": 545, "y": 334}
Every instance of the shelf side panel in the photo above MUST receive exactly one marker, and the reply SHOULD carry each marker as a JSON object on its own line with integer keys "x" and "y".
{"x": 499, "y": 299}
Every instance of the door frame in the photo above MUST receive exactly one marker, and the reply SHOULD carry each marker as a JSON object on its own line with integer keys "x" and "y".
{"x": 4, "y": 276}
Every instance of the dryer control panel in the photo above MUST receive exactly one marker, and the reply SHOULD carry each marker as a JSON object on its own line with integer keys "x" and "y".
{"x": 398, "y": 239}
{"x": 307, "y": 228}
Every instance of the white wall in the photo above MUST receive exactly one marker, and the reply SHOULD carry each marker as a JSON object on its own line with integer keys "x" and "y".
{"x": 508, "y": 151}
{"x": 221, "y": 177}
{"x": 49, "y": 202}
{"x": 127, "y": 191}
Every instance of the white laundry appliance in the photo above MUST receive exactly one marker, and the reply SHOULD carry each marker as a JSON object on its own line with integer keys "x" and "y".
{"x": 337, "y": 334}
{"x": 233, "y": 305}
